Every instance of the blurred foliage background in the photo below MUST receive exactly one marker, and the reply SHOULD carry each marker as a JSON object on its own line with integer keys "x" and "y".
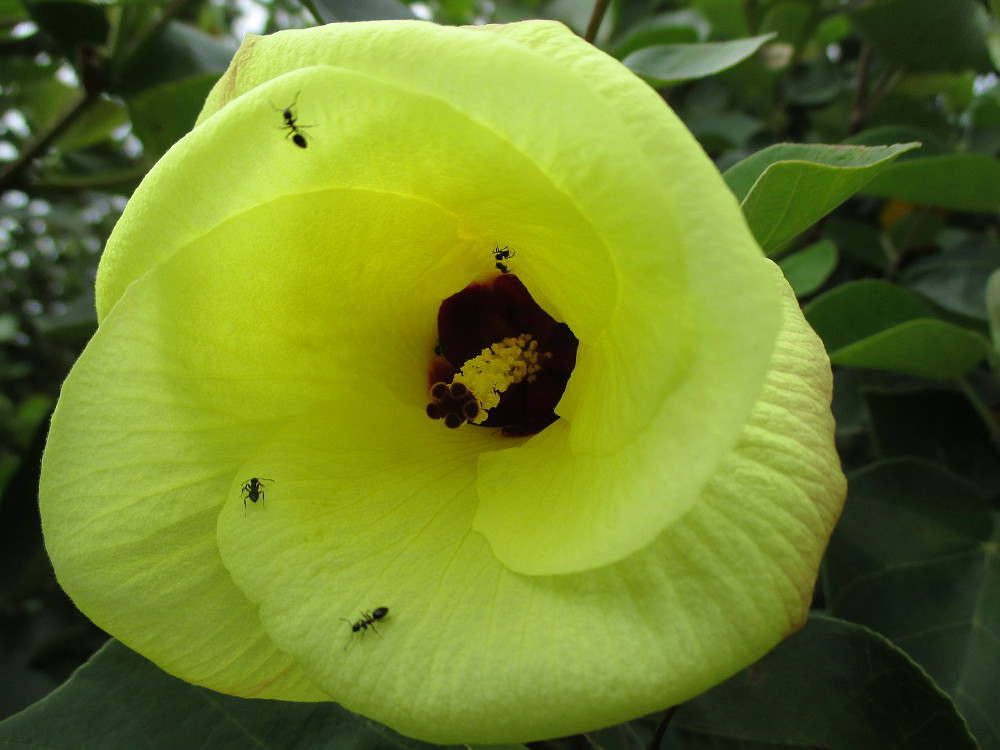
{"x": 889, "y": 251}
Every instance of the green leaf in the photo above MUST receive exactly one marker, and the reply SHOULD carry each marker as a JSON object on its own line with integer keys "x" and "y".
{"x": 833, "y": 684}
{"x": 177, "y": 53}
{"x": 677, "y": 27}
{"x": 926, "y": 348}
{"x": 161, "y": 115}
{"x": 791, "y": 20}
{"x": 992, "y": 294}
{"x": 724, "y": 16}
{"x": 878, "y": 325}
{"x": 832, "y": 29}
{"x": 932, "y": 584}
{"x": 664, "y": 64}
{"x": 886, "y": 135}
{"x": 927, "y": 35}
{"x": 807, "y": 269}
{"x": 788, "y": 187}
{"x": 965, "y": 182}
{"x": 717, "y": 132}
{"x": 119, "y": 700}
{"x": 857, "y": 240}
{"x": 360, "y": 10}
{"x": 933, "y": 512}
{"x": 815, "y": 82}
{"x": 70, "y": 22}
{"x": 97, "y": 124}
{"x": 12, "y": 11}
{"x": 936, "y": 424}
{"x": 956, "y": 279}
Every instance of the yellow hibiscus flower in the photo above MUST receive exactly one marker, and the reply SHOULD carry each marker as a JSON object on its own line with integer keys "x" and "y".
{"x": 439, "y": 375}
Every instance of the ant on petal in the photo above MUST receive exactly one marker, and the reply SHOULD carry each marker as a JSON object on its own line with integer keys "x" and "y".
{"x": 253, "y": 490}
{"x": 501, "y": 254}
{"x": 292, "y": 124}
{"x": 368, "y": 620}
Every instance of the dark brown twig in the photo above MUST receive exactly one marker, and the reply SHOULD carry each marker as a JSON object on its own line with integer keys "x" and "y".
{"x": 750, "y": 16}
{"x": 596, "y": 16}
{"x": 11, "y": 172}
{"x": 661, "y": 729}
{"x": 863, "y": 102}
{"x": 858, "y": 109}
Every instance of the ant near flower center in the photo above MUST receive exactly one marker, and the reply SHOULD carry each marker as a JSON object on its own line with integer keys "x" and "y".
{"x": 501, "y": 254}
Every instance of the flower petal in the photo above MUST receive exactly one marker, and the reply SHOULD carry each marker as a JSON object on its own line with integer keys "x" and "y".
{"x": 204, "y": 358}
{"x": 362, "y": 517}
{"x": 271, "y": 314}
{"x": 648, "y": 259}
{"x": 152, "y": 421}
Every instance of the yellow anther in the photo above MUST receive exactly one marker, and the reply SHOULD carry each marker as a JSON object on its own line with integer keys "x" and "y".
{"x": 496, "y": 369}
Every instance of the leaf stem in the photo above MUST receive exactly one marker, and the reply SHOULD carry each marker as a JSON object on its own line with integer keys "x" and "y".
{"x": 749, "y": 15}
{"x": 661, "y": 728}
{"x": 310, "y": 6}
{"x": 858, "y": 109}
{"x": 596, "y": 16}
{"x": 983, "y": 410}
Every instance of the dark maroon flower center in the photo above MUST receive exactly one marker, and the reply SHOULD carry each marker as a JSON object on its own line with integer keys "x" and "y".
{"x": 502, "y": 362}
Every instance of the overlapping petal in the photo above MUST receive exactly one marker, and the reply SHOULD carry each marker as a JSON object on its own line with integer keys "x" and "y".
{"x": 657, "y": 276}
{"x": 363, "y": 518}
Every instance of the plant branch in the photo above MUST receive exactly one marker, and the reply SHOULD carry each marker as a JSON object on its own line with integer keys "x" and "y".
{"x": 749, "y": 15}
{"x": 310, "y": 6}
{"x": 661, "y": 728}
{"x": 990, "y": 421}
{"x": 11, "y": 172}
{"x": 596, "y": 16}
{"x": 858, "y": 109}
{"x": 863, "y": 103}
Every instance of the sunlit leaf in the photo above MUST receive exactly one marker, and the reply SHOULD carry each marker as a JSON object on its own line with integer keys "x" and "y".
{"x": 671, "y": 63}
{"x": 788, "y": 187}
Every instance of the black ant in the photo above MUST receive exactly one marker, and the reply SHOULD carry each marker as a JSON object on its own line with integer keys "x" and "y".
{"x": 253, "y": 491}
{"x": 291, "y": 123}
{"x": 501, "y": 254}
{"x": 368, "y": 620}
